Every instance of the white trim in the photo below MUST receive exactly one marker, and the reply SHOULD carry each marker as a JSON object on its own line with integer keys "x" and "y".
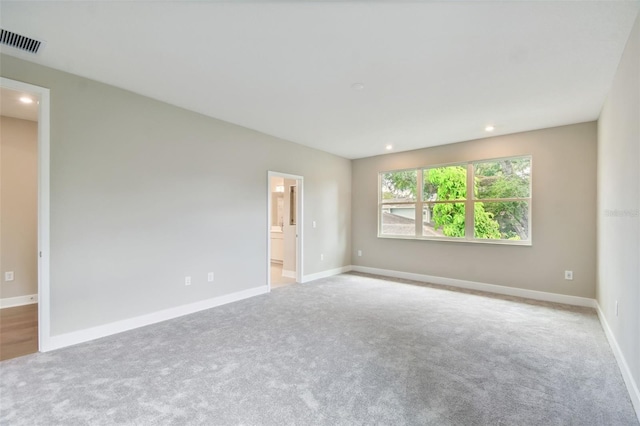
{"x": 81, "y": 336}
{"x": 10, "y": 302}
{"x": 632, "y": 386}
{"x": 490, "y": 288}
{"x": 300, "y": 229}
{"x": 288, "y": 274}
{"x": 44, "y": 326}
{"x": 327, "y": 273}
{"x": 269, "y": 231}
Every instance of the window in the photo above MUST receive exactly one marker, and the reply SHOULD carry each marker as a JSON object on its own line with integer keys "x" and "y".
{"x": 436, "y": 203}
{"x": 398, "y": 195}
{"x": 444, "y": 194}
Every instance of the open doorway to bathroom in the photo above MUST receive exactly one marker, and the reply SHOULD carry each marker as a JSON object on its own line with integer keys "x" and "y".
{"x": 19, "y": 225}
{"x": 284, "y": 224}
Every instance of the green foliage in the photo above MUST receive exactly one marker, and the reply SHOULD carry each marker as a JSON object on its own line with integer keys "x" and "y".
{"x": 493, "y": 180}
{"x": 399, "y": 185}
{"x": 450, "y": 183}
{"x": 506, "y": 179}
{"x": 484, "y": 224}
{"x": 449, "y": 217}
{"x": 447, "y": 183}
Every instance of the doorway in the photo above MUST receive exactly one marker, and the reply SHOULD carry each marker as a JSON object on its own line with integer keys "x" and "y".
{"x": 284, "y": 219}
{"x": 24, "y": 259}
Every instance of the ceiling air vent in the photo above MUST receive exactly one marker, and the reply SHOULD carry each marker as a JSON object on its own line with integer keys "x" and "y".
{"x": 19, "y": 42}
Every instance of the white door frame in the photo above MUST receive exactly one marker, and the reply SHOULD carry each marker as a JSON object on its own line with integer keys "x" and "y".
{"x": 44, "y": 315}
{"x": 299, "y": 220}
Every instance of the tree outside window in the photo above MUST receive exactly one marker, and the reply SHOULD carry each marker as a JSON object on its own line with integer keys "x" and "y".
{"x": 498, "y": 208}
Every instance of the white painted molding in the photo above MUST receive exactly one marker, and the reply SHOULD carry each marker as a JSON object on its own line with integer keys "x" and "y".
{"x": 10, "y": 302}
{"x": 81, "y": 336}
{"x": 325, "y": 274}
{"x": 289, "y": 274}
{"x": 490, "y": 288}
{"x": 632, "y": 386}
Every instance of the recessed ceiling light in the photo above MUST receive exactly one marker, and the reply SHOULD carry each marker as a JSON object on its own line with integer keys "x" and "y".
{"x": 389, "y": 147}
{"x": 357, "y": 86}
{"x": 489, "y": 128}
{"x": 26, "y": 100}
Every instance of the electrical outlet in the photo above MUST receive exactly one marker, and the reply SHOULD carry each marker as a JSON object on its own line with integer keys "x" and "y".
{"x": 359, "y": 252}
{"x": 8, "y": 276}
{"x": 187, "y": 280}
{"x": 321, "y": 256}
{"x": 314, "y": 223}
{"x": 210, "y": 277}
{"x": 568, "y": 275}
{"x": 616, "y": 308}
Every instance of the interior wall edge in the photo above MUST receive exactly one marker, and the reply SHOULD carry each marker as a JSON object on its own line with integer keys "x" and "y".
{"x": 632, "y": 386}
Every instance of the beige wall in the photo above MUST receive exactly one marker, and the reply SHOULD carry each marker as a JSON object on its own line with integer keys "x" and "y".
{"x": 19, "y": 206}
{"x": 563, "y": 215}
{"x": 144, "y": 193}
{"x": 618, "y": 206}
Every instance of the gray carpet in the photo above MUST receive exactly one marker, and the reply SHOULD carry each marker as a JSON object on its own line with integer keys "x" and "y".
{"x": 346, "y": 350}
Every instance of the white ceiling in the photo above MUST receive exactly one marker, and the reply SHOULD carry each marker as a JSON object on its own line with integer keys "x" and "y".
{"x": 434, "y": 72}
{"x": 11, "y": 106}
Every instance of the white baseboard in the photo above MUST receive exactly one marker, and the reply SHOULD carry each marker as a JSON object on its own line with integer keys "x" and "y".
{"x": 473, "y": 285}
{"x": 80, "y": 336}
{"x": 632, "y": 386}
{"x": 327, "y": 273}
{"x": 68, "y": 339}
{"x": 289, "y": 274}
{"x": 10, "y": 302}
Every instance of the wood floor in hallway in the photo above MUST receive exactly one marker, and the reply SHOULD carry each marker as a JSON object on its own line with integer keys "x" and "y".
{"x": 18, "y": 331}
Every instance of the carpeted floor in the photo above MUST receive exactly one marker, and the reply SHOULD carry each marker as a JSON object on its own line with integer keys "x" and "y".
{"x": 346, "y": 350}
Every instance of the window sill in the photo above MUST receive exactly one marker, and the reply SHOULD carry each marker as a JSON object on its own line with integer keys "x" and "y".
{"x": 527, "y": 243}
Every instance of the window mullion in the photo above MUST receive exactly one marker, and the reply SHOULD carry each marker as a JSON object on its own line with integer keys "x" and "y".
{"x": 419, "y": 209}
{"x": 379, "y": 204}
{"x": 469, "y": 227}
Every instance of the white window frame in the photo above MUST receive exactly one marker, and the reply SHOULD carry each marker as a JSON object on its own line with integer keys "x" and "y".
{"x": 469, "y": 204}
